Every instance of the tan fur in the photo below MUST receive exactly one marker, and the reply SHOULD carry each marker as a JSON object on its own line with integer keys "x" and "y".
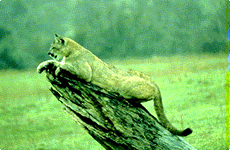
{"x": 130, "y": 84}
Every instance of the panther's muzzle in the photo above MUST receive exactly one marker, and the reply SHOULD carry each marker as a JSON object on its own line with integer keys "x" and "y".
{"x": 52, "y": 55}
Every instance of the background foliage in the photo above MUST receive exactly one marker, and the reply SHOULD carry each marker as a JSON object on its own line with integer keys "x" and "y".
{"x": 110, "y": 28}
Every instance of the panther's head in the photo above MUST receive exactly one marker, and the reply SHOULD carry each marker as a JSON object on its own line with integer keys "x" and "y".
{"x": 62, "y": 47}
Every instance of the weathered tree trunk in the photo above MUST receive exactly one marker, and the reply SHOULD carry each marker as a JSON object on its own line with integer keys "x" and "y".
{"x": 109, "y": 118}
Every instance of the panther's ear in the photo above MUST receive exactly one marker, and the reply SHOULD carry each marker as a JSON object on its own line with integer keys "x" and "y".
{"x": 59, "y": 39}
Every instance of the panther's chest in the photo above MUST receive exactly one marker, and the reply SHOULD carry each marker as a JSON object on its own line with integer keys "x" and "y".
{"x": 63, "y": 60}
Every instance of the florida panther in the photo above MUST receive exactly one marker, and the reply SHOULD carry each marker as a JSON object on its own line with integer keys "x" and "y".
{"x": 132, "y": 85}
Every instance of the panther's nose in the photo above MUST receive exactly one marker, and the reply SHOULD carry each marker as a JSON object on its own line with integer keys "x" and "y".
{"x": 50, "y": 54}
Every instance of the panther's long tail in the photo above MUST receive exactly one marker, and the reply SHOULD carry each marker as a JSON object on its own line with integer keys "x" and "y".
{"x": 163, "y": 119}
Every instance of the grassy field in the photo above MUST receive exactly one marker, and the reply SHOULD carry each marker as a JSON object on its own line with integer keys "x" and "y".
{"x": 192, "y": 87}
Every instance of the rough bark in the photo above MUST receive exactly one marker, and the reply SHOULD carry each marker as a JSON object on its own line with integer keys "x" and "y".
{"x": 109, "y": 118}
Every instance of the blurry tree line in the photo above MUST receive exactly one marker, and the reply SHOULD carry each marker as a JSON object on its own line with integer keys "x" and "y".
{"x": 110, "y": 28}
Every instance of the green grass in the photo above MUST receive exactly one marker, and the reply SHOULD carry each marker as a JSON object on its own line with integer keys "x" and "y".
{"x": 192, "y": 87}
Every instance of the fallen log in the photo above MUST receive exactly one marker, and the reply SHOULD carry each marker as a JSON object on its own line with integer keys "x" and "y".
{"x": 110, "y": 119}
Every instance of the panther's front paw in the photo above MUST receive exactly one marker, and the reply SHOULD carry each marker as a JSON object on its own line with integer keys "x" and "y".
{"x": 42, "y": 66}
{"x": 45, "y": 65}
